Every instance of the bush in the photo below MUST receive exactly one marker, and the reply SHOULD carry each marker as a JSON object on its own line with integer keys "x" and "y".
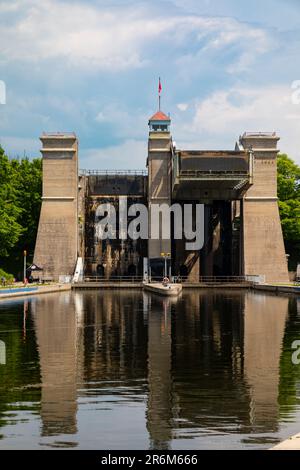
{"x": 7, "y": 277}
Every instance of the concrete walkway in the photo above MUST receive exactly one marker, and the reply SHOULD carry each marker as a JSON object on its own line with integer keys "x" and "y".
{"x": 278, "y": 288}
{"x": 33, "y": 290}
{"x": 139, "y": 285}
{"x": 107, "y": 285}
{"x": 293, "y": 443}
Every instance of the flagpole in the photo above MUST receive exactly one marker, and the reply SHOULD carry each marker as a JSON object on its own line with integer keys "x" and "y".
{"x": 159, "y": 92}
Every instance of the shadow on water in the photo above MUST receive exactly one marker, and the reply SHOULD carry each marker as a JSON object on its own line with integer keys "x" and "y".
{"x": 125, "y": 369}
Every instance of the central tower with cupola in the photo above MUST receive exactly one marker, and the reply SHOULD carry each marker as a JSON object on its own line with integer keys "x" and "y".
{"x": 159, "y": 161}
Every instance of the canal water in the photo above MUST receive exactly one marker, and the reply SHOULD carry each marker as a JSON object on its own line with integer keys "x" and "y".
{"x": 129, "y": 370}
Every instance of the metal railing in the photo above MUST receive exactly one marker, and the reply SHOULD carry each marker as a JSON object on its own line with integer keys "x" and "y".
{"x": 113, "y": 172}
{"x": 176, "y": 279}
{"x": 120, "y": 279}
{"x": 223, "y": 279}
{"x": 213, "y": 280}
{"x": 217, "y": 173}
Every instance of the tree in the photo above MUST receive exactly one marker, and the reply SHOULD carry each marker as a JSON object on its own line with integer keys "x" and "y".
{"x": 289, "y": 204}
{"x": 20, "y": 203}
{"x": 29, "y": 181}
{"x": 10, "y": 212}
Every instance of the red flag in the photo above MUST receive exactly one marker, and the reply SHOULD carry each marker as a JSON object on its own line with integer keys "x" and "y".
{"x": 159, "y": 87}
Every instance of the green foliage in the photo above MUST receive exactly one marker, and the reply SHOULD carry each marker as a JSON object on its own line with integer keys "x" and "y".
{"x": 20, "y": 202}
{"x": 29, "y": 200}
{"x": 10, "y": 212}
{"x": 6, "y": 276}
{"x": 288, "y": 178}
{"x": 290, "y": 219}
{"x": 289, "y": 202}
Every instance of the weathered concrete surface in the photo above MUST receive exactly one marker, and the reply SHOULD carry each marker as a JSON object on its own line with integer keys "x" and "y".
{"x": 188, "y": 261}
{"x": 40, "y": 290}
{"x": 116, "y": 185}
{"x": 57, "y": 239}
{"x": 293, "y": 443}
{"x": 264, "y": 252}
{"x": 114, "y": 257}
{"x": 159, "y": 186}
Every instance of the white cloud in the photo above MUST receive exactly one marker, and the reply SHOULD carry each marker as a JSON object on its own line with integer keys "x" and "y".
{"x": 117, "y": 38}
{"x": 9, "y": 7}
{"x": 224, "y": 115}
{"x": 198, "y": 52}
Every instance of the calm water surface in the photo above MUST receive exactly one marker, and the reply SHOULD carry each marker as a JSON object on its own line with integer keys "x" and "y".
{"x": 131, "y": 370}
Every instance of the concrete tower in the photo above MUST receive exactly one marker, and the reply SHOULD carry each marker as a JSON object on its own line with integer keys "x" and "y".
{"x": 159, "y": 177}
{"x": 57, "y": 239}
{"x": 264, "y": 251}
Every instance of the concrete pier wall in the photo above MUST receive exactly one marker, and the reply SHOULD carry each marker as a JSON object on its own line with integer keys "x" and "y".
{"x": 264, "y": 252}
{"x": 57, "y": 238}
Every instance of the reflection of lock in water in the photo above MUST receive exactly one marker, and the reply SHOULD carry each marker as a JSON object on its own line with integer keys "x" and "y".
{"x": 2, "y": 353}
{"x": 2, "y": 92}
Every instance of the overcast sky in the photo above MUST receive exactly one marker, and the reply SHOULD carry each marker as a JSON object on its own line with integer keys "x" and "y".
{"x": 92, "y": 67}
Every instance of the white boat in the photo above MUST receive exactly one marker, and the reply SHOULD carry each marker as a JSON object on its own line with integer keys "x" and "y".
{"x": 168, "y": 289}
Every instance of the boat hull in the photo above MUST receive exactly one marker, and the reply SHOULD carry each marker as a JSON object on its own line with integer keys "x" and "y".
{"x": 171, "y": 290}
